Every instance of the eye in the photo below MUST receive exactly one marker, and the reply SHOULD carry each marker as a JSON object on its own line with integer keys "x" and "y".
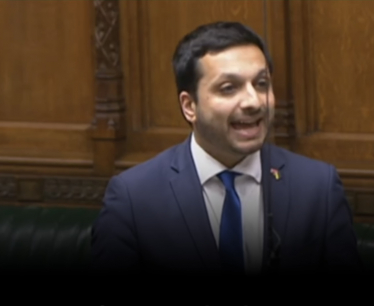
{"x": 263, "y": 84}
{"x": 228, "y": 89}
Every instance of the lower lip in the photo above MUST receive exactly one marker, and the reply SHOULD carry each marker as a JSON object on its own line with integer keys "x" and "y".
{"x": 248, "y": 132}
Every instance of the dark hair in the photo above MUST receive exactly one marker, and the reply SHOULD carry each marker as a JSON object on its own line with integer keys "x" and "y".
{"x": 213, "y": 37}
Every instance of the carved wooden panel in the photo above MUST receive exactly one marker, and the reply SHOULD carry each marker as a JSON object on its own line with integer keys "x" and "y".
{"x": 87, "y": 89}
{"x": 46, "y": 83}
{"x": 331, "y": 47}
{"x": 89, "y": 191}
{"x": 8, "y": 189}
{"x": 362, "y": 205}
{"x": 63, "y": 100}
{"x": 151, "y": 31}
{"x": 108, "y": 126}
{"x": 66, "y": 190}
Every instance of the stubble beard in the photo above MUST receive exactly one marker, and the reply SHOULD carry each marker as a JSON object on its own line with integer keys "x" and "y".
{"x": 216, "y": 142}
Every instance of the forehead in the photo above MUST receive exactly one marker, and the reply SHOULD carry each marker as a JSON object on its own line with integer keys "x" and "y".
{"x": 246, "y": 61}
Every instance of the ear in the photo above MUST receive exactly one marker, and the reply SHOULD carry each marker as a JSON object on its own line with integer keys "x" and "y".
{"x": 188, "y": 106}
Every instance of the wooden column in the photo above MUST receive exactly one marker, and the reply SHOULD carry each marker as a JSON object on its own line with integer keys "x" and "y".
{"x": 108, "y": 127}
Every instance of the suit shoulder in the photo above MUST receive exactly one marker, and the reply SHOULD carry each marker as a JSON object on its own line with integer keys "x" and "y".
{"x": 305, "y": 171}
{"x": 150, "y": 168}
{"x": 301, "y": 161}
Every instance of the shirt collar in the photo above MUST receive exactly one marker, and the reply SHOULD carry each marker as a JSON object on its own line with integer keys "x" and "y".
{"x": 208, "y": 167}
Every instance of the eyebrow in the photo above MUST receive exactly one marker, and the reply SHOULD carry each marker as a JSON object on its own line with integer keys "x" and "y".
{"x": 234, "y": 76}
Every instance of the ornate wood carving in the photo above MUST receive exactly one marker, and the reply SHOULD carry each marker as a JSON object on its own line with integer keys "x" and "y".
{"x": 90, "y": 191}
{"x": 7, "y": 188}
{"x": 361, "y": 202}
{"x": 52, "y": 190}
{"x": 74, "y": 190}
{"x": 108, "y": 124}
{"x": 284, "y": 120}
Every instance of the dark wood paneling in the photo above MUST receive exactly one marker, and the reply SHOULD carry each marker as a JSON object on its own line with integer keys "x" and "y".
{"x": 277, "y": 39}
{"x": 45, "y": 140}
{"x": 46, "y": 83}
{"x": 65, "y": 190}
{"x": 87, "y": 89}
{"x": 331, "y": 81}
{"x": 329, "y": 48}
{"x": 153, "y": 29}
{"x": 108, "y": 126}
{"x": 46, "y": 62}
{"x": 89, "y": 191}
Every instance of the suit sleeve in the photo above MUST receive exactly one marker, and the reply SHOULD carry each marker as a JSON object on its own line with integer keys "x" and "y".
{"x": 114, "y": 245}
{"x": 341, "y": 243}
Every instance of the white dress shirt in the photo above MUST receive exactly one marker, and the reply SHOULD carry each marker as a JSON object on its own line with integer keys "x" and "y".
{"x": 249, "y": 189}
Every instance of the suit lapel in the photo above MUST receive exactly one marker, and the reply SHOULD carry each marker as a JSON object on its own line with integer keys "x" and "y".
{"x": 187, "y": 190}
{"x": 188, "y": 193}
{"x": 275, "y": 184}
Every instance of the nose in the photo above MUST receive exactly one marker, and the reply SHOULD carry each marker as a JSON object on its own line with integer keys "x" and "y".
{"x": 250, "y": 98}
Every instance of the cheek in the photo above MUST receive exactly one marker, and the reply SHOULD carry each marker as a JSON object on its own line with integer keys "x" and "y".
{"x": 213, "y": 110}
{"x": 272, "y": 103}
{"x": 271, "y": 100}
{"x": 268, "y": 101}
{"x": 206, "y": 109}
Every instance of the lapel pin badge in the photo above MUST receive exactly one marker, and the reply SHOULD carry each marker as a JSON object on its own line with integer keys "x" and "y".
{"x": 276, "y": 173}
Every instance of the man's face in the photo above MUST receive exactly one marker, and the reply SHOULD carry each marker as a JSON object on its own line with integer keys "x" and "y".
{"x": 235, "y": 103}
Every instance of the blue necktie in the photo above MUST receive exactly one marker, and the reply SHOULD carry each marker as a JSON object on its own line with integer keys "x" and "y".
{"x": 231, "y": 239}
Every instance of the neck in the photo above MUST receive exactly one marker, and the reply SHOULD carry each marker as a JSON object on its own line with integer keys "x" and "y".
{"x": 228, "y": 160}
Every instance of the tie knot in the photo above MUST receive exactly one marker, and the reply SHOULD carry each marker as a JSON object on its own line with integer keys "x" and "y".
{"x": 228, "y": 178}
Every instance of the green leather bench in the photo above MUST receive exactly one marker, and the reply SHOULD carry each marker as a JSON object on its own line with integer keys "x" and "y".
{"x": 53, "y": 239}
{"x": 365, "y": 241}
{"x": 59, "y": 238}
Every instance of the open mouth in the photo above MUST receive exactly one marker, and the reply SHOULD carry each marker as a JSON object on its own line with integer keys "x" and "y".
{"x": 247, "y": 129}
{"x": 245, "y": 124}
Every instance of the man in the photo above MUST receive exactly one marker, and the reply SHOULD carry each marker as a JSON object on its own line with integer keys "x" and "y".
{"x": 223, "y": 201}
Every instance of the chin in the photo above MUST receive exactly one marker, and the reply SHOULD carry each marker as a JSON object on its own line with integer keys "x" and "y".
{"x": 249, "y": 148}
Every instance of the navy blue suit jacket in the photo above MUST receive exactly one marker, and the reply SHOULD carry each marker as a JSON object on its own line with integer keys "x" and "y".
{"x": 154, "y": 218}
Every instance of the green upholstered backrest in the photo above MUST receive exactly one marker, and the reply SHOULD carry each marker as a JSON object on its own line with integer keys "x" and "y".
{"x": 365, "y": 239}
{"x": 43, "y": 238}
{"x": 60, "y": 238}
